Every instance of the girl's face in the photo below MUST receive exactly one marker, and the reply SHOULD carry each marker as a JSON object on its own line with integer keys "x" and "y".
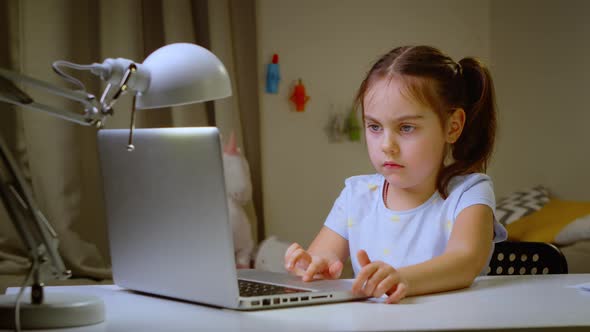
{"x": 405, "y": 139}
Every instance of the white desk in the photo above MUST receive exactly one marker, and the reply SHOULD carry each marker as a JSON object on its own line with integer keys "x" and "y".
{"x": 492, "y": 303}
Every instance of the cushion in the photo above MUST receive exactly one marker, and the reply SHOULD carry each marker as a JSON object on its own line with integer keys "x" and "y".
{"x": 521, "y": 203}
{"x": 575, "y": 231}
{"x": 577, "y": 256}
{"x": 545, "y": 224}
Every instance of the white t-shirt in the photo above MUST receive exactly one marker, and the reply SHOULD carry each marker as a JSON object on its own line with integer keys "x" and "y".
{"x": 402, "y": 238}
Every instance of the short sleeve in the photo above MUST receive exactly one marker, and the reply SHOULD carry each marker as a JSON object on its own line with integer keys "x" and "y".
{"x": 480, "y": 190}
{"x": 476, "y": 191}
{"x": 337, "y": 219}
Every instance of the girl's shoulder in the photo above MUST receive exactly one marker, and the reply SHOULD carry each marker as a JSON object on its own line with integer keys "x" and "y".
{"x": 468, "y": 180}
{"x": 365, "y": 180}
{"x": 364, "y": 185}
{"x": 477, "y": 182}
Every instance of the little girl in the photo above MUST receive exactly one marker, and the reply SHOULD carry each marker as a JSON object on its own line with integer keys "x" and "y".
{"x": 425, "y": 222}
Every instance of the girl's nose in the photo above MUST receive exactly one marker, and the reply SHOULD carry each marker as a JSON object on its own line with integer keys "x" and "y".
{"x": 389, "y": 145}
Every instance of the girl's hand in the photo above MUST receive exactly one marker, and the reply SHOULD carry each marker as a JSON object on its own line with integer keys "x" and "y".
{"x": 378, "y": 278}
{"x": 301, "y": 263}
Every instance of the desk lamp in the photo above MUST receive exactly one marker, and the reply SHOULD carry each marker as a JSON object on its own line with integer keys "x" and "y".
{"x": 173, "y": 75}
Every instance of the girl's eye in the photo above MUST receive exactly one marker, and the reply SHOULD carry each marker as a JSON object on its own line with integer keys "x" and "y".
{"x": 406, "y": 129}
{"x": 373, "y": 127}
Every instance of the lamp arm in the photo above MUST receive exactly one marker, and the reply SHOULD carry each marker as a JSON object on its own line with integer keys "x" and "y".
{"x": 35, "y": 231}
{"x": 93, "y": 115}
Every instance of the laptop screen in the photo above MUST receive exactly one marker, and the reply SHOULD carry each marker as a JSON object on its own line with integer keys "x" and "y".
{"x": 167, "y": 216}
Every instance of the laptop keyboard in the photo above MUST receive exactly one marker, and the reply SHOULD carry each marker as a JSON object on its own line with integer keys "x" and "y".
{"x": 253, "y": 288}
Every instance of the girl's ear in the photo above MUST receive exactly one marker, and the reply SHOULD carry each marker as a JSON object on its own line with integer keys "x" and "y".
{"x": 455, "y": 125}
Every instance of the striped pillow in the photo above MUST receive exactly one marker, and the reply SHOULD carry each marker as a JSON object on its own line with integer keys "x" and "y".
{"x": 521, "y": 203}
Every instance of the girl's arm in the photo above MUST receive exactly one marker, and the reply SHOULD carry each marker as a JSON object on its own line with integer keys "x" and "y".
{"x": 464, "y": 258}
{"x": 323, "y": 259}
{"x": 329, "y": 244}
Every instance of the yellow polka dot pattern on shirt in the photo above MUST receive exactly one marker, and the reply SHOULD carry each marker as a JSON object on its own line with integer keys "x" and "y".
{"x": 395, "y": 218}
{"x": 386, "y": 252}
{"x": 449, "y": 225}
{"x": 372, "y": 186}
{"x": 350, "y": 222}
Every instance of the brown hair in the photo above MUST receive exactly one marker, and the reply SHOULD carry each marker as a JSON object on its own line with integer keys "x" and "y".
{"x": 435, "y": 80}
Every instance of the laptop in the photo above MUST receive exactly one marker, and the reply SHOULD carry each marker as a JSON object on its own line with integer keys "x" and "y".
{"x": 169, "y": 230}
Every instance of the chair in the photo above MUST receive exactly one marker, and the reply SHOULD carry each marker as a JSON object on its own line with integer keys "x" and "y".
{"x": 514, "y": 258}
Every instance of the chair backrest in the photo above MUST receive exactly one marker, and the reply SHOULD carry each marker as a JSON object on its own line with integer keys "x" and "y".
{"x": 514, "y": 258}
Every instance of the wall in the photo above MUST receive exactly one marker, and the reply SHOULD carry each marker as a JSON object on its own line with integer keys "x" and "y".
{"x": 541, "y": 63}
{"x": 330, "y": 44}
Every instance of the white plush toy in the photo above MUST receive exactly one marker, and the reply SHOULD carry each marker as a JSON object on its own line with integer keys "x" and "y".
{"x": 270, "y": 255}
{"x": 239, "y": 192}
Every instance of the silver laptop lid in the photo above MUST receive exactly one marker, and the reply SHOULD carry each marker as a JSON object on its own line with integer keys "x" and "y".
{"x": 167, "y": 216}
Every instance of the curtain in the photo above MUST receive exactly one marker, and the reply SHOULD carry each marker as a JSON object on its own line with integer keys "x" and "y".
{"x": 59, "y": 158}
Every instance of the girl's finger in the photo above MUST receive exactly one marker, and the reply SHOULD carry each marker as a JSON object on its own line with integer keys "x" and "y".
{"x": 364, "y": 275}
{"x": 332, "y": 270}
{"x": 290, "y": 250}
{"x": 363, "y": 258}
{"x": 335, "y": 270}
{"x": 296, "y": 258}
{"x": 315, "y": 268}
{"x": 398, "y": 295}
{"x": 375, "y": 280}
{"x": 384, "y": 286}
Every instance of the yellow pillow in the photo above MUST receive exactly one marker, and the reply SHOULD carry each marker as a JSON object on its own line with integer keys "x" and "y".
{"x": 545, "y": 224}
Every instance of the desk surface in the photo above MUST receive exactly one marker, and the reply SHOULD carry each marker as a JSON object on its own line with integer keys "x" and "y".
{"x": 493, "y": 303}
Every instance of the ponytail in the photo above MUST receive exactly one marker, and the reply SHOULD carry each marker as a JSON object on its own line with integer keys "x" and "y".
{"x": 472, "y": 151}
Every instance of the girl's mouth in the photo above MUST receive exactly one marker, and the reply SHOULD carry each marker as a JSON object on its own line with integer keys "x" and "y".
{"x": 391, "y": 165}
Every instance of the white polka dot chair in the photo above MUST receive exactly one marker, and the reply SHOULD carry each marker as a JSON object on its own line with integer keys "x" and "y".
{"x": 515, "y": 258}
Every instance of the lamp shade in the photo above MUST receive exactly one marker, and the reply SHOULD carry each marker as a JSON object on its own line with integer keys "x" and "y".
{"x": 183, "y": 73}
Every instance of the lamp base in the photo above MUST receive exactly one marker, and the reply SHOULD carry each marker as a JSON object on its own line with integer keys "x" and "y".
{"x": 58, "y": 310}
